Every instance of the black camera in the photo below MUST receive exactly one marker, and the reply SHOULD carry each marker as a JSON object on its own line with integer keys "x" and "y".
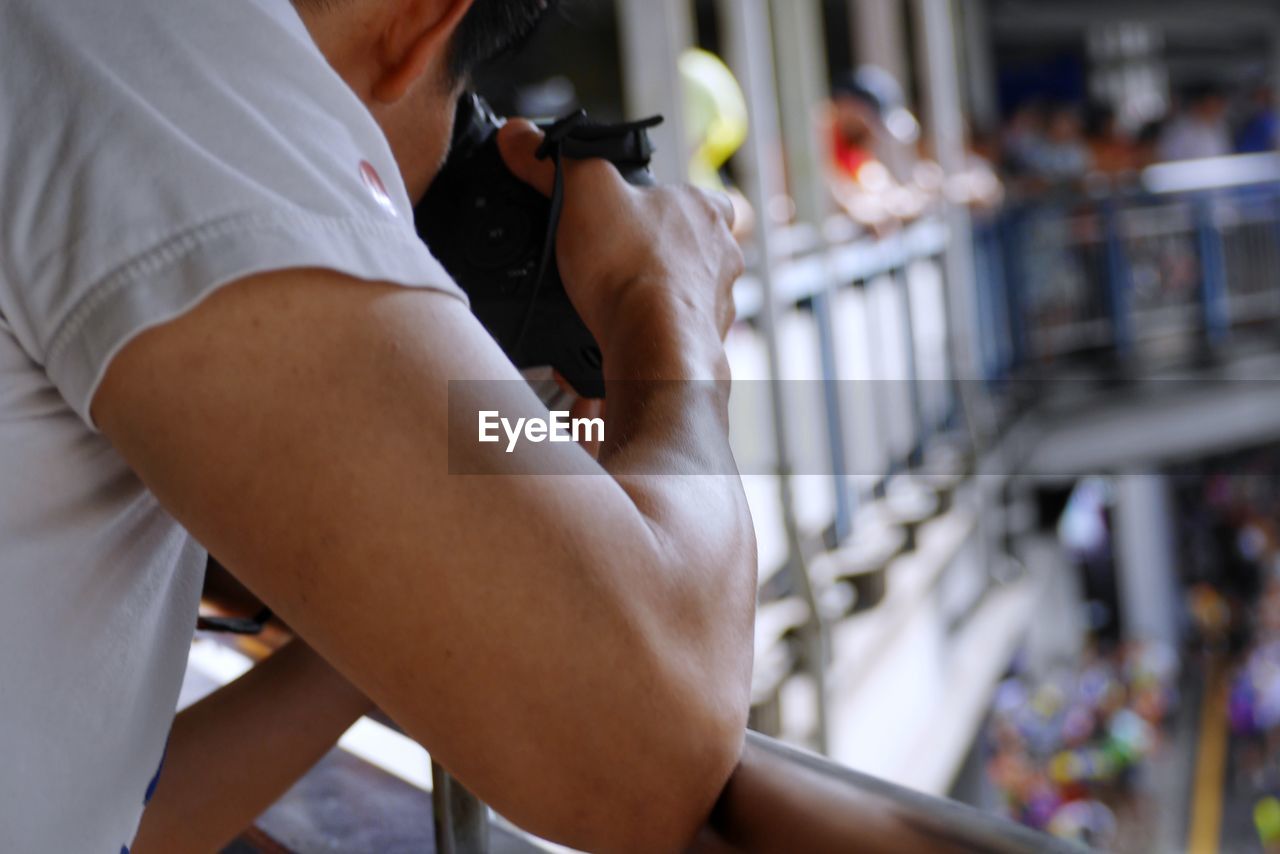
{"x": 496, "y": 236}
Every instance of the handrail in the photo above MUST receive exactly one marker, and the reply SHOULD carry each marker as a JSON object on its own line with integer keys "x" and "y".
{"x": 1122, "y": 268}
{"x": 785, "y": 800}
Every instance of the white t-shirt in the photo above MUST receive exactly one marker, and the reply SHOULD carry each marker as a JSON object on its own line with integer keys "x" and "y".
{"x": 1188, "y": 138}
{"x": 150, "y": 151}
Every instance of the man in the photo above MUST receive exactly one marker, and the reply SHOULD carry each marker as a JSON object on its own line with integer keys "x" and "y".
{"x": 869, "y": 119}
{"x": 218, "y": 329}
{"x": 1260, "y": 132}
{"x": 1200, "y": 129}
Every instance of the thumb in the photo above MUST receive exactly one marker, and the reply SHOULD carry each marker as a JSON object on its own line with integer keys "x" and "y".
{"x": 518, "y": 142}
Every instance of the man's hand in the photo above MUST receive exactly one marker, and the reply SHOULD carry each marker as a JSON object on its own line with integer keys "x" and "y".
{"x": 575, "y": 648}
{"x": 621, "y": 246}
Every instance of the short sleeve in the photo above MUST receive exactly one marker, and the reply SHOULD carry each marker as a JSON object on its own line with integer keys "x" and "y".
{"x": 153, "y": 151}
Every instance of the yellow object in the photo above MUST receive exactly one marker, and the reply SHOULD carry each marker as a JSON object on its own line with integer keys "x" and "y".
{"x": 716, "y": 115}
{"x": 1266, "y": 815}
{"x": 1205, "y": 833}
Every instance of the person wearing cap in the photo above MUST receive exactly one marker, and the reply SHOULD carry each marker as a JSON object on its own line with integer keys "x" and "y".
{"x": 872, "y": 135}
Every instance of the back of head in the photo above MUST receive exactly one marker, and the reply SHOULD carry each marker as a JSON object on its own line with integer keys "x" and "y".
{"x": 494, "y": 27}
{"x": 489, "y": 28}
{"x": 878, "y": 91}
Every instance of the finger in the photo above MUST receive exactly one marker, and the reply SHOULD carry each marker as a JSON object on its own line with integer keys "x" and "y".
{"x": 518, "y": 142}
{"x": 723, "y": 205}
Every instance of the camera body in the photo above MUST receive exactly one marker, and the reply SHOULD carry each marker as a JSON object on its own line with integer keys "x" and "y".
{"x": 491, "y": 232}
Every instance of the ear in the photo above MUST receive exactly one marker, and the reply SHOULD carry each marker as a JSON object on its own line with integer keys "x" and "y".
{"x": 415, "y": 38}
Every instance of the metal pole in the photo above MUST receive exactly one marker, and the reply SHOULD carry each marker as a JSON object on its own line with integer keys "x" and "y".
{"x": 1214, "y": 296}
{"x": 879, "y": 36}
{"x": 946, "y": 128}
{"x": 653, "y": 34}
{"x": 462, "y": 821}
{"x": 749, "y": 50}
{"x": 979, "y": 62}
{"x": 802, "y": 75}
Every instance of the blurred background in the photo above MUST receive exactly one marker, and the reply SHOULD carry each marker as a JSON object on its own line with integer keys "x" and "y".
{"x": 1006, "y": 399}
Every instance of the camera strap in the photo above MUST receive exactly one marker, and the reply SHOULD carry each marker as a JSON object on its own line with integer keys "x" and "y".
{"x": 246, "y": 626}
{"x": 575, "y": 137}
{"x": 552, "y": 147}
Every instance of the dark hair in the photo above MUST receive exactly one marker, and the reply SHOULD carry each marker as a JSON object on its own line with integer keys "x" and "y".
{"x": 1200, "y": 91}
{"x": 1098, "y": 120}
{"x": 492, "y": 28}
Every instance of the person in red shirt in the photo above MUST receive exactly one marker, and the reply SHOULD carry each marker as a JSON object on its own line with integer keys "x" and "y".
{"x": 868, "y": 119}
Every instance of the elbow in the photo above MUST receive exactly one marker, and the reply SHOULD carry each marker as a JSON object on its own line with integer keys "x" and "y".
{"x": 662, "y": 806}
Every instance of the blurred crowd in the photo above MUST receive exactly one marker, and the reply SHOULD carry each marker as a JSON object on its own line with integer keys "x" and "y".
{"x": 883, "y": 172}
{"x": 1060, "y": 143}
{"x": 1235, "y": 611}
{"x": 1065, "y": 749}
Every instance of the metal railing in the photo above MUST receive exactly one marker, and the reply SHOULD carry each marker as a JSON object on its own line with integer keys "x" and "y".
{"x": 785, "y": 800}
{"x": 781, "y": 800}
{"x": 1135, "y": 280}
{"x": 869, "y": 325}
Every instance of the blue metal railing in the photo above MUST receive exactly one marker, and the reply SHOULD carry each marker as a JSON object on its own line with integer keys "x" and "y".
{"x": 1134, "y": 277}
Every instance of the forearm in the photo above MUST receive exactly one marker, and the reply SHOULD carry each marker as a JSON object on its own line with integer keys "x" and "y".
{"x": 593, "y": 657}
{"x": 236, "y": 752}
{"x": 668, "y": 448}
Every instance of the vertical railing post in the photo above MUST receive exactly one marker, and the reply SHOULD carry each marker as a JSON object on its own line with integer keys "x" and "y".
{"x": 1014, "y": 234}
{"x": 461, "y": 820}
{"x": 1118, "y": 282}
{"x": 920, "y": 432}
{"x": 802, "y": 75}
{"x": 945, "y": 121}
{"x": 1215, "y": 309}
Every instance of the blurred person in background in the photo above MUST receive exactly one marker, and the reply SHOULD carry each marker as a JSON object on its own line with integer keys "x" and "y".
{"x": 1062, "y": 155}
{"x": 1146, "y": 143}
{"x": 1260, "y": 131}
{"x": 979, "y": 186}
{"x": 1022, "y": 137}
{"x": 873, "y": 135}
{"x": 1112, "y": 151}
{"x": 1199, "y": 129}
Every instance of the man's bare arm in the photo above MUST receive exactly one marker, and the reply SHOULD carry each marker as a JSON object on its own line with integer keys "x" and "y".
{"x": 575, "y": 648}
{"x": 238, "y": 750}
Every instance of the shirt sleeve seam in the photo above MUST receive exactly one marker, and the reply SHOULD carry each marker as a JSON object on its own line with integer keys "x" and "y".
{"x": 173, "y": 249}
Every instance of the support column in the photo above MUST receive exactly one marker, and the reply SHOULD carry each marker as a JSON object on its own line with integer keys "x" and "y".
{"x": 944, "y": 120}
{"x": 1145, "y": 556}
{"x": 802, "y": 76}
{"x": 980, "y": 64}
{"x": 880, "y": 38}
{"x": 654, "y": 33}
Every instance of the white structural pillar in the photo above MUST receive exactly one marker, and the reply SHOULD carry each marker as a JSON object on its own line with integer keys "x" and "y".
{"x": 980, "y": 63}
{"x": 944, "y": 120}
{"x": 802, "y": 75}
{"x": 880, "y": 38}
{"x": 654, "y": 33}
{"x": 748, "y": 37}
{"x": 1145, "y": 555}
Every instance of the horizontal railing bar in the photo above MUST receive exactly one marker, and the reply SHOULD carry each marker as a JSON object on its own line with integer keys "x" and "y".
{"x": 786, "y": 799}
{"x": 803, "y": 278}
